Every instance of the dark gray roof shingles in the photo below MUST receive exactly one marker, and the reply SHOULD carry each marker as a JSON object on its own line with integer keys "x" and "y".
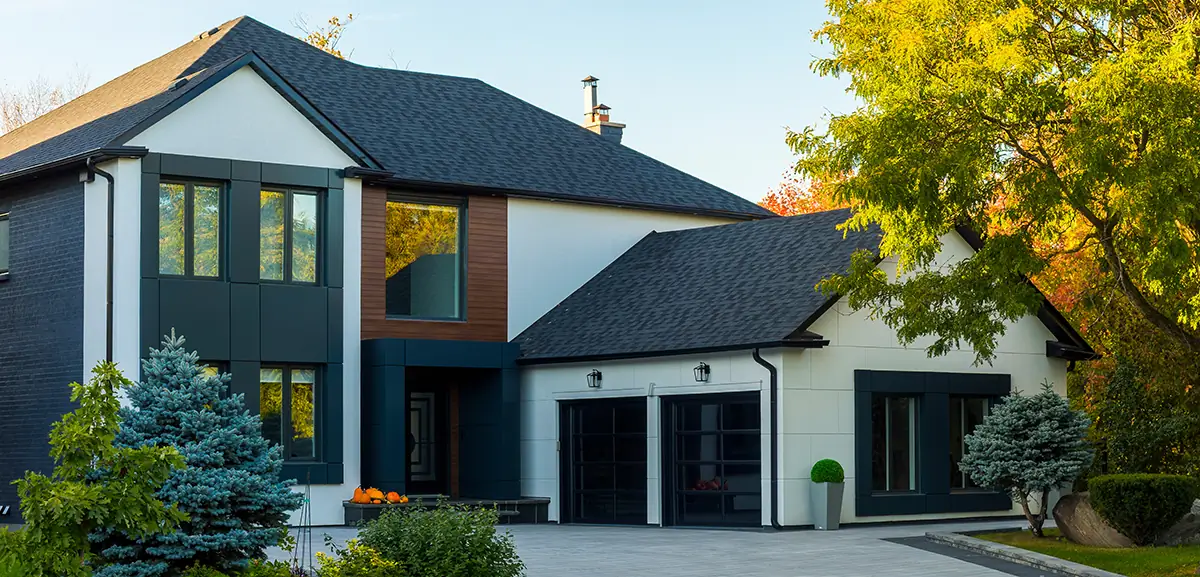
{"x": 421, "y": 127}
{"x": 722, "y": 286}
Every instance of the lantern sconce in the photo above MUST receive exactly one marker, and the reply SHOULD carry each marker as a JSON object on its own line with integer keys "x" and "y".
{"x": 593, "y": 379}
{"x": 702, "y": 371}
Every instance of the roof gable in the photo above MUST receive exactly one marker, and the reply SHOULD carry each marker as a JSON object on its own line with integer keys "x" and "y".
{"x": 418, "y": 127}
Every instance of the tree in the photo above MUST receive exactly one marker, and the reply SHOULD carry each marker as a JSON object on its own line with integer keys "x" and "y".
{"x": 96, "y": 484}
{"x": 795, "y": 196}
{"x": 18, "y": 107}
{"x": 231, "y": 488}
{"x": 325, "y": 37}
{"x": 1030, "y": 121}
{"x": 1143, "y": 428}
{"x": 416, "y": 230}
{"x": 1029, "y": 446}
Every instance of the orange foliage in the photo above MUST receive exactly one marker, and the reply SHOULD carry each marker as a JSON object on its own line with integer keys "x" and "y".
{"x": 794, "y": 196}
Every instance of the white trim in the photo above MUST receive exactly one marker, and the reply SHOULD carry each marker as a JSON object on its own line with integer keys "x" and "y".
{"x": 95, "y": 267}
{"x": 127, "y": 261}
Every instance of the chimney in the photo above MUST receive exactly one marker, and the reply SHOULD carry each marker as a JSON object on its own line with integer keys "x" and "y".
{"x": 596, "y": 115}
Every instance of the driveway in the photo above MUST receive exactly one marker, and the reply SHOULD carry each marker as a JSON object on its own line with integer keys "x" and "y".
{"x": 591, "y": 551}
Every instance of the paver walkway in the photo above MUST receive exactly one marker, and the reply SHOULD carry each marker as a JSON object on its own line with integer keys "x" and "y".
{"x": 584, "y": 551}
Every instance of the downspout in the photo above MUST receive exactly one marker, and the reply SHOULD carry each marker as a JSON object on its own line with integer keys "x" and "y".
{"x": 108, "y": 295}
{"x": 774, "y": 437}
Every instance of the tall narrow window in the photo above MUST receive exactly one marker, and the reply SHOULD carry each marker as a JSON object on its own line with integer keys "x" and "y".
{"x": 893, "y": 443}
{"x": 424, "y": 260}
{"x": 289, "y": 234}
{"x": 4, "y": 240}
{"x": 288, "y": 408}
{"x": 966, "y": 413}
{"x": 189, "y": 229}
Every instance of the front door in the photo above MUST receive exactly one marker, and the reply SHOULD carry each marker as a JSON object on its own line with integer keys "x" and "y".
{"x": 427, "y": 433}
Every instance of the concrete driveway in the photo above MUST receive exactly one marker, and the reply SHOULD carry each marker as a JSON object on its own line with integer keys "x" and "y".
{"x": 591, "y": 551}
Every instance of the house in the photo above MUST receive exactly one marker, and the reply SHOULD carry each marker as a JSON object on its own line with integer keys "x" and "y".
{"x": 446, "y": 290}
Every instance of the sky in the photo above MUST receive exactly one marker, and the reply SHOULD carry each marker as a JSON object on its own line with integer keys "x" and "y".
{"x": 709, "y": 87}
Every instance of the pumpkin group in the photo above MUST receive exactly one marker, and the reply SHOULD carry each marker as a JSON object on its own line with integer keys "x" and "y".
{"x": 373, "y": 496}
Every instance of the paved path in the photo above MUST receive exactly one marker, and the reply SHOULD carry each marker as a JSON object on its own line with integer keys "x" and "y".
{"x": 583, "y": 551}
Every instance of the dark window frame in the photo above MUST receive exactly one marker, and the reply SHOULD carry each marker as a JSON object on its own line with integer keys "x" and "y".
{"x": 318, "y": 257}
{"x": 933, "y": 392}
{"x": 285, "y": 411}
{"x": 460, "y": 203}
{"x": 992, "y": 401}
{"x": 915, "y": 449}
{"x": 7, "y": 240}
{"x": 189, "y": 230}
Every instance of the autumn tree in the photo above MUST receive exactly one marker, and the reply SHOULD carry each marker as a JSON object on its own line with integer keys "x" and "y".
{"x": 1060, "y": 129}
{"x": 325, "y": 37}
{"x": 20, "y": 106}
{"x": 796, "y": 196}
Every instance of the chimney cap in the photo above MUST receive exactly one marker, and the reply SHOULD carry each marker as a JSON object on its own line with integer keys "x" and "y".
{"x": 603, "y": 107}
{"x": 590, "y": 78}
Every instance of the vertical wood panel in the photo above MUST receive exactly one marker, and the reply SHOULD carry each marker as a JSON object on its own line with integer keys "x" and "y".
{"x": 487, "y": 275}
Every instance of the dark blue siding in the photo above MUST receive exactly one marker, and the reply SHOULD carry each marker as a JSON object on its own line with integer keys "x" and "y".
{"x": 41, "y": 322}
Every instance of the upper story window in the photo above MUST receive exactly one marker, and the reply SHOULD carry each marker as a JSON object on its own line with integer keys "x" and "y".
{"x": 189, "y": 229}
{"x": 289, "y": 235}
{"x": 424, "y": 264}
{"x": 3, "y": 244}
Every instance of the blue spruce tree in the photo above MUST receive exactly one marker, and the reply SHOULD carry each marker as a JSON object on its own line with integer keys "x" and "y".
{"x": 230, "y": 489}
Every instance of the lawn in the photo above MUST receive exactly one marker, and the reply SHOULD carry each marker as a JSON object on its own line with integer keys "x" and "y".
{"x": 1136, "y": 562}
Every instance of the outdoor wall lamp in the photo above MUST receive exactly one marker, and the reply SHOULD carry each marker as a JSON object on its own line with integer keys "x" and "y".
{"x": 594, "y": 378}
{"x": 702, "y": 371}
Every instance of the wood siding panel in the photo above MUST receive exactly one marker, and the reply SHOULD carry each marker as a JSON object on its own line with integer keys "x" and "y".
{"x": 487, "y": 275}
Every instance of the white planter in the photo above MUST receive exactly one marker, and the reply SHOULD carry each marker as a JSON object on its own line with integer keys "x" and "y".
{"x": 827, "y": 505}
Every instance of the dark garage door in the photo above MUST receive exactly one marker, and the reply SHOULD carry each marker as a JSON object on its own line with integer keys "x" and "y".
{"x": 604, "y": 461}
{"x": 714, "y": 461}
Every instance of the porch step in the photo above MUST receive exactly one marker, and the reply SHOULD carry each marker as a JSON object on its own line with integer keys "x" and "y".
{"x": 526, "y": 510}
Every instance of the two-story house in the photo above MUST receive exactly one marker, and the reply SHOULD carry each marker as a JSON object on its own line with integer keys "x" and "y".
{"x": 425, "y": 284}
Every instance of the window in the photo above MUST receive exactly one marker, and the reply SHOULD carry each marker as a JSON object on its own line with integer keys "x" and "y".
{"x": 287, "y": 406}
{"x": 288, "y": 235}
{"x": 893, "y": 443}
{"x": 966, "y": 413}
{"x": 189, "y": 229}
{"x": 424, "y": 264}
{"x": 4, "y": 245}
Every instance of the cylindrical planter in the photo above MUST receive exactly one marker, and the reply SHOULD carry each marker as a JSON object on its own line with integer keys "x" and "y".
{"x": 827, "y": 505}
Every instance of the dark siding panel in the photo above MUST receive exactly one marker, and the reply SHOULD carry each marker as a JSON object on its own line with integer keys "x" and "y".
{"x": 281, "y": 174}
{"x": 243, "y": 322}
{"x": 149, "y": 225}
{"x": 245, "y": 381}
{"x": 199, "y": 311}
{"x": 331, "y": 426}
{"x": 41, "y": 323}
{"x": 487, "y": 275}
{"x": 151, "y": 337}
{"x": 243, "y": 231}
{"x": 335, "y": 325}
{"x": 293, "y": 323}
{"x": 195, "y": 167}
{"x": 335, "y": 225}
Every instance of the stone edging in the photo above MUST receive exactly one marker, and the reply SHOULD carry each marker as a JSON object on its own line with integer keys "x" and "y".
{"x": 1018, "y": 555}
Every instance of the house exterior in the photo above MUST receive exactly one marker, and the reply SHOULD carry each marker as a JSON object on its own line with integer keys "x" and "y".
{"x": 400, "y": 272}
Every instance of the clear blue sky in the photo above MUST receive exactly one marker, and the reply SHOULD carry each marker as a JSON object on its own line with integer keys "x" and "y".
{"x": 705, "y": 86}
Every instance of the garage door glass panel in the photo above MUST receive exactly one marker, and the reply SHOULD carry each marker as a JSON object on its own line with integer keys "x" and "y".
{"x": 606, "y": 466}
{"x": 717, "y": 471}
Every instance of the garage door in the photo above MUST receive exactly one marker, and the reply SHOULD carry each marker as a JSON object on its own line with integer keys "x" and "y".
{"x": 604, "y": 461}
{"x": 714, "y": 460}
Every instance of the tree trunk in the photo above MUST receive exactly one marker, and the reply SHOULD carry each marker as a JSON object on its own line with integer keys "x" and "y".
{"x": 1035, "y": 526}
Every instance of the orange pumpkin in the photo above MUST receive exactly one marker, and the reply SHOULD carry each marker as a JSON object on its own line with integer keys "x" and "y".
{"x": 403, "y": 498}
{"x": 393, "y": 497}
{"x": 375, "y": 494}
{"x": 360, "y": 496}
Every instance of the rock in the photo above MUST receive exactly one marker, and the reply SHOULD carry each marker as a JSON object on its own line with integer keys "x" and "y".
{"x": 1185, "y": 532}
{"x": 1079, "y": 523}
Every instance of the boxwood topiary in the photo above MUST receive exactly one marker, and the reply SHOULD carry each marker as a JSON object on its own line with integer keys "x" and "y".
{"x": 1142, "y": 506}
{"x": 827, "y": 471}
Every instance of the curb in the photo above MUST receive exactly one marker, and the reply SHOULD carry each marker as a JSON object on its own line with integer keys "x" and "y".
{"x": 1018, "y": 555}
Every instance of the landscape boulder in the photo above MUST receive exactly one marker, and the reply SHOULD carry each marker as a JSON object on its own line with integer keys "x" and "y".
{"x": 1185, "y": 532}
{"x": 1081, "y": 524}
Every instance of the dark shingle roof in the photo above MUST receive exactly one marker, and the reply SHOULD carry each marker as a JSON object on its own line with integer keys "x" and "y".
{"x": 420, "y": 127}
{"x": 724, "y": 286}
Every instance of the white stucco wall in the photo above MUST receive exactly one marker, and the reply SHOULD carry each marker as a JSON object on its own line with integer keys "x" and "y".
{"x": 127, "y": 215}
{"x": 816, "y": 399}
{"x": 243, "y": 118}
{"x": 555, "y": 247}
{"x": 544, "y": 386}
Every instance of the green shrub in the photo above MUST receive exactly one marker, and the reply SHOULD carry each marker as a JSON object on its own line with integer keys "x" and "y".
{"x": 827, "y": 471}
{"x": 357, "y": 560}
{"x": 260, "y": 568}
{"x": 201, "y": 571}
{"x": 13, "y": 554}
{"x": 446, "y": 541}
{"x": 1142, "y": 506}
